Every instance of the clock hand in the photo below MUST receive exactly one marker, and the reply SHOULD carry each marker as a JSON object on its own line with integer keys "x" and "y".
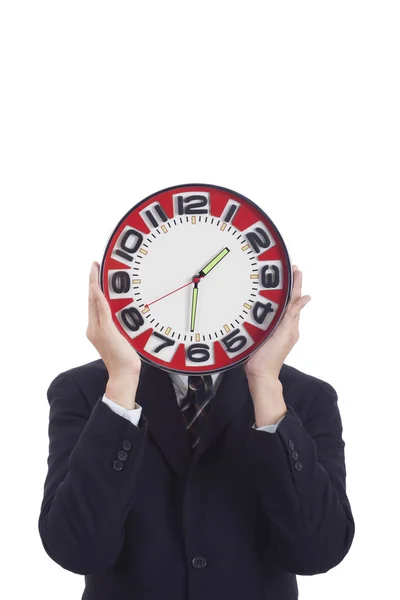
{"x": 195, "y": 280}
{"x": 195, "y": 294}
{"x": 173, "y": 292}
{"x": 205, "y": 270}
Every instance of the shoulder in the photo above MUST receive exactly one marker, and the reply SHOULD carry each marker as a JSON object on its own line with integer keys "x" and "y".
{"x": 303, "y": 390}
{"x": 289, "y": 376}
{"x": 92, "y": 371}
{"x": 90, "y": 379}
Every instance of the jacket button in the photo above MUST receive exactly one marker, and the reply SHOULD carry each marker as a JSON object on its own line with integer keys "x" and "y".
{"x": 291, "y": 445}
{"x": 126, "y": 445}
{"x": 295, "y": 455}
{"x": 298, "y": 466}
{"x": 122, "y": 455}
{"x": 118, "y": 465}
{"x": 199, "y": 562}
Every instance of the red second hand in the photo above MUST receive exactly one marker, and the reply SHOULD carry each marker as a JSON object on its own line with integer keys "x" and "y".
{"x": 195, "y": 280}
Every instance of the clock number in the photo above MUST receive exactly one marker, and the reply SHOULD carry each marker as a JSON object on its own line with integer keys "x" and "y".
{"x": 154, "y": 215}
{"x": 168, "y": 341}
{"x": 120, "y": 282}
{"x": 270, "y": 279}
{"x": 198, "y": 352}
{"x": 261, "y": 311}
{"x": 234, "y": 342}
{"x": 132, "y": 318}
{"x": 129, "y": 243}
{"x": 230, "y": 211}
{"x": 258, "y": 238}
{"x": 194, "y": 205}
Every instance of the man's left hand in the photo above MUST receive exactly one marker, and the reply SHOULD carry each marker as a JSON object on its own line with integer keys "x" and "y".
{"x": 263, "y": 367}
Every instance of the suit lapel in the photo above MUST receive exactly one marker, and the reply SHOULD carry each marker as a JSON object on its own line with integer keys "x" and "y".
{"x": 157, "y": 397}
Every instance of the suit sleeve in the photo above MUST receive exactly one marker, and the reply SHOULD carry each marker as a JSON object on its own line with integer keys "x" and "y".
{"x": 93, "y": 462}
{"x": 301, "y": 475}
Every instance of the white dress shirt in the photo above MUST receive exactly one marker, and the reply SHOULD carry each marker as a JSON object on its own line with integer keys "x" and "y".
{"x": 180, "y": 383}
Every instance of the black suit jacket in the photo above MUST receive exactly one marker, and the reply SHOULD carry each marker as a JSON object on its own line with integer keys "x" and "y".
{"x": 238, "y": 519}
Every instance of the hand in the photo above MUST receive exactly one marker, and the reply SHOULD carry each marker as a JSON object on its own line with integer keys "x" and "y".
{"x": 121, "y": 359}
{"x": 213, "y": 262}
{"x": 267, "y": 361}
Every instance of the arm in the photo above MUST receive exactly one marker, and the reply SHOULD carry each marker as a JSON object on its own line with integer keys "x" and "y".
{"x": 87, "y": 494}
{"x": 301, "y": 476}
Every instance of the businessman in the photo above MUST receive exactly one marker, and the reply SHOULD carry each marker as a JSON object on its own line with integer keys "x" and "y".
{"x": 194, "y": 488}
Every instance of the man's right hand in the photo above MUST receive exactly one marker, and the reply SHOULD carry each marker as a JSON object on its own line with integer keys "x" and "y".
{"x": 121, "y": 359}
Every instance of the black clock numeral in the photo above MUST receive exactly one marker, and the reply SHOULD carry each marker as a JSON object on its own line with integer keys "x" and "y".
{"x": 260, "y": 311}
{"x": 234, "y": 342}
{"x": 194, "y": 204}
{"x": 270, "y": 276}
{"x": 132, "y": 318}
{"x": 120, "y": 282}
{"x": 129, "y": 244}
{"x": 154, "y": 215}
{"x": 258, "y": 238}
{"x": 166, "y": 341}
{"x": 230, "y": 214}
{"x": 198, "y": 352}
{"x": 230, "y": 211}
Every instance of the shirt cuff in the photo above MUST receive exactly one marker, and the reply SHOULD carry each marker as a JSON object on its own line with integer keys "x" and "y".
{"x": 269, "y": 428}
{"x": 133, "y": 415}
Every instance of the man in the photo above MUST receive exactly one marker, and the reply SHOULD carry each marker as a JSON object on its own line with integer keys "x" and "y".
{"x": 146, "y": 508}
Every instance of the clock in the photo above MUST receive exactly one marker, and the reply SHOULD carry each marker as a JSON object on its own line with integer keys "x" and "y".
{"x": 197, "y": 277}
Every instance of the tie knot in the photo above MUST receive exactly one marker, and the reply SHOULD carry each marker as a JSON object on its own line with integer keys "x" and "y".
{"x": 196, "y": 383}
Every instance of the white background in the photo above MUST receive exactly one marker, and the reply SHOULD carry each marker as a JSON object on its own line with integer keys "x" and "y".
{"x": 293, "y": 104}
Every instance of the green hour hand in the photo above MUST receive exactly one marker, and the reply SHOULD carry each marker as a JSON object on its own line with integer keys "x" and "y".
{"x": 205, "y": 270}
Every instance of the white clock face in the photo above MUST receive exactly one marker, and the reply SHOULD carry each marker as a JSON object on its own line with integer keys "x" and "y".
{"x": 185, "y": 281}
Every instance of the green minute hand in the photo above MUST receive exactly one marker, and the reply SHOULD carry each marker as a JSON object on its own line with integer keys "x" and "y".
{"x": 194, "y": 306}
{"x": 205, "y": 270}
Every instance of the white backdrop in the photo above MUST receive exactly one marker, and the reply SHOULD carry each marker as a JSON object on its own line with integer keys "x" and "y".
{"x": 293, "y": 104}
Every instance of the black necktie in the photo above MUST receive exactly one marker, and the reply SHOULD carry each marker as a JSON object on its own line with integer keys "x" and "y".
{"x": 196, "y": 405}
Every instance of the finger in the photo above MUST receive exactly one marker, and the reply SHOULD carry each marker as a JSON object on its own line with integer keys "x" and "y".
{"x": 294, "y": 309}
{"x": 102, "y": 306}
{"x": 93, "y": 315}
{"x": 302, "y": 302}
{"x": 297, "y": 283}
